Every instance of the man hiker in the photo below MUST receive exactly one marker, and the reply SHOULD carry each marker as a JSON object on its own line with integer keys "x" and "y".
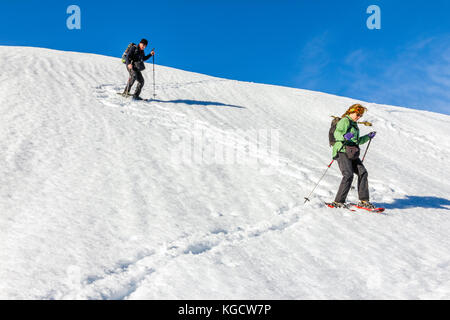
{"x": 346, "y": 151}
{"x": 135, "y": 64}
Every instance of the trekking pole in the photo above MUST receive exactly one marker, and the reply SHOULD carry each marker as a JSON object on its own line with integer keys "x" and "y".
{"x": 307, "y": 198}
{"x": 370, "y": 141}
{"x": 154, "y": 91}
{"x": 329, "y": 166}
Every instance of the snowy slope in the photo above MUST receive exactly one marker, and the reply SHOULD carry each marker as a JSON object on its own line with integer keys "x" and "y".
{"x": 96, "y": 201}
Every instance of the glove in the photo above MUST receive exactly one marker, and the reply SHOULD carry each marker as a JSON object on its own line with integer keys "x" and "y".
{"x": 372, "y": 135}
{"x": 348, "y": 136}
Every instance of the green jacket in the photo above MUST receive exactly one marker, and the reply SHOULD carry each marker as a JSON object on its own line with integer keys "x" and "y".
{"x": 344, "y": 126}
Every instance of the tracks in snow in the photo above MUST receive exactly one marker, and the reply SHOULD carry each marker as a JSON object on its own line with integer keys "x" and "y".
{"x": 120, "y": 281}
{"x": 152, "y": 113}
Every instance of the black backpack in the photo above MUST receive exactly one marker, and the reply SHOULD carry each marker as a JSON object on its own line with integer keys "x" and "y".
{"x": 127, "y": 50}
{"x": 331, "y": 138}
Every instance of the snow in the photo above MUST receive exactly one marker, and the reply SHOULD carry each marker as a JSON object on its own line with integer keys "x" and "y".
{"x": 104, "y": 198}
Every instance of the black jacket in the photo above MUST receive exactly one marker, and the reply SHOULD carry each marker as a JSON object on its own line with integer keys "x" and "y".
{"x": 136, "y": 55}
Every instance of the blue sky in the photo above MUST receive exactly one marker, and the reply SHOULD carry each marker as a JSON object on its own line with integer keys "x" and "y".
{"x": 321, "y": 45}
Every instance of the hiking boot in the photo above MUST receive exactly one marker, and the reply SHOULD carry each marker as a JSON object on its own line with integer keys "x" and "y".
{"x": 135, "y": 97}
{"x": 366, "y": 204}
{"x": 338, "y": 204}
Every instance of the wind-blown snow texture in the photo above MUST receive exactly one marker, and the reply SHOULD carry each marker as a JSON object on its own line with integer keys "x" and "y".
{"x": 93, "y": 205}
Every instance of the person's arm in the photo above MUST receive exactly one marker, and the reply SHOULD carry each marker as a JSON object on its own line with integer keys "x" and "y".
{"x": 341, "y": 129}
{"x": 363, "y": 139}
{"x": 367, "y": 137}
{"x": 151, "y": 54}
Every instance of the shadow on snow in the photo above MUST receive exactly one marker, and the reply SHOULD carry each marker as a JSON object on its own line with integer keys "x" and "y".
{"x": 418, "y": 202}
{"x": 197, "y": 102}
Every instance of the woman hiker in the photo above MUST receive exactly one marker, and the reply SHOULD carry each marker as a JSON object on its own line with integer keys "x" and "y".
{"x": 346, "y": 151}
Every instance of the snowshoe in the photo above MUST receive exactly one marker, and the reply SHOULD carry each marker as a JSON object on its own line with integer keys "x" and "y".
{"x": 338, "y": 205}
{"x": 365, "y": 205}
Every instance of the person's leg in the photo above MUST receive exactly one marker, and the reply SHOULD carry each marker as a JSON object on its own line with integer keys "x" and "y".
{"x": 140, "y": 80}
{"x": 130, "y": 82}
{"x": 345, "y": 165}
{"x": 363, "y": 181}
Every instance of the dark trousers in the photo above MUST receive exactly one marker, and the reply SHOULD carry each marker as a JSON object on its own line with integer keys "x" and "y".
{"x": 348, "y": 168}
{"x": 134, "y": 75}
